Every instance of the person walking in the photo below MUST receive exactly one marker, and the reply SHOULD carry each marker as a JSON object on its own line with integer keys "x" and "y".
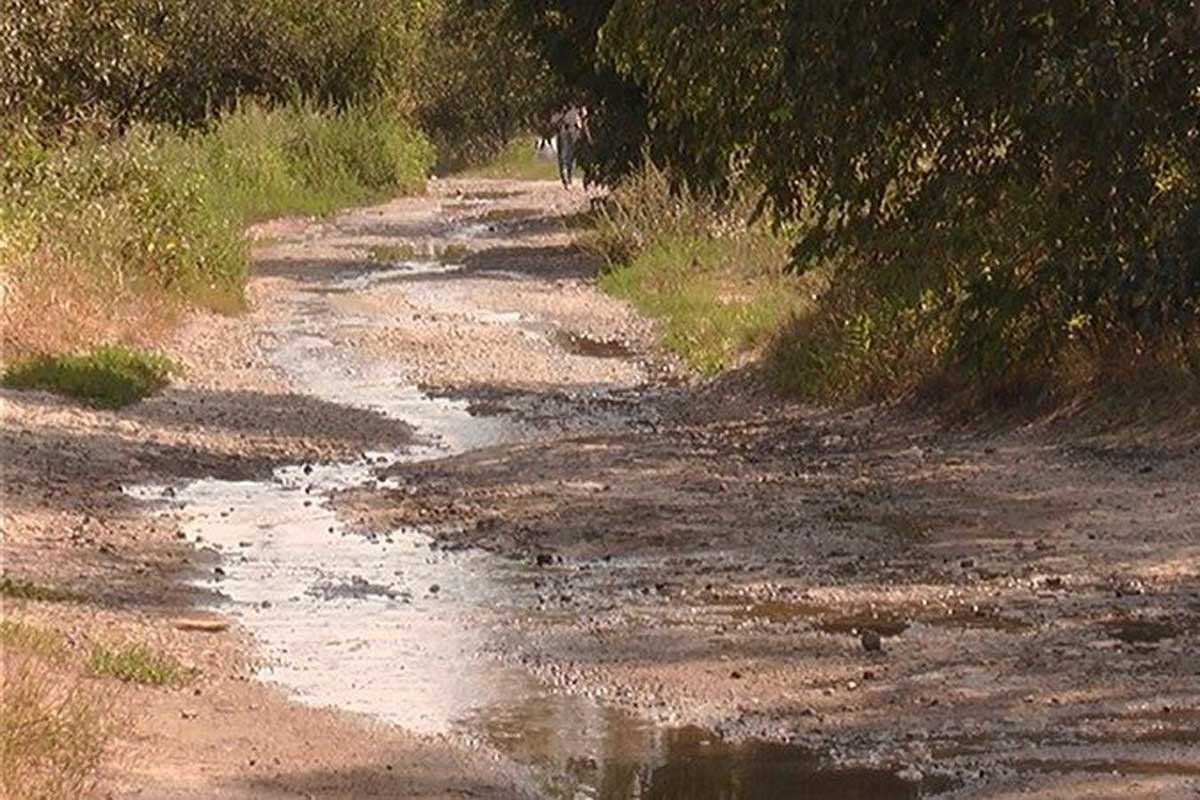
{"x": 572, "y": 126}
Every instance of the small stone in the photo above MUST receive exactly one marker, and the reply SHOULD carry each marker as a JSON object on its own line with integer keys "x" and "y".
{"x": 871, "y": 641}
{"x": 967, "y": 563}
{"x": 188, "y": 713}
{"x": 735, "y": 675}
{"x": 434, "y": 589}
{"x": 308, "y": 468}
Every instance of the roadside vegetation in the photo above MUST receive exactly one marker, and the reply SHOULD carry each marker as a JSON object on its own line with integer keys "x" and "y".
{"x": 60, "y": 713}
{"x": 518, "y": 160}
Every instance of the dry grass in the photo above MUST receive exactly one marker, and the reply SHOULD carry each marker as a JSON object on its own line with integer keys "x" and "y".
{"x": 55, "y": 725}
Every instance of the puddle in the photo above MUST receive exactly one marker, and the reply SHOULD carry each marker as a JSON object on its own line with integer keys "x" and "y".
{"x": 1140, "y": 631}
{"x": 394, "y": 626}
{"x": 592, "y": 348}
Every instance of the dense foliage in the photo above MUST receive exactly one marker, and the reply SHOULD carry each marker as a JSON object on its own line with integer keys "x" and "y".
{"x": 65, "y": 61}
{"x": 480, "y": 84}
{"x": 998, "y": 184}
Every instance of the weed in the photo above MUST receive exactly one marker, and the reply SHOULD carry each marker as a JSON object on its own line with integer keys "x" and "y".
{"x": 20, "y": 589}
{"x": 105, "y": 238}
{"x": 137, "y": 663}
{"x": 109, "y": 377}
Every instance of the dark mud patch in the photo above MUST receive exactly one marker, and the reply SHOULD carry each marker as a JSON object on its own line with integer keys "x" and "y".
{"x": 580, "y": 345}
{"x": 1140, "y": 631}
{"x": 694, "y": 765}
{"x": 887, "y": 622}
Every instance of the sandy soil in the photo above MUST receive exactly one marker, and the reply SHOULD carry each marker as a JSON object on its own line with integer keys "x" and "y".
{"x": 706, "y": 555}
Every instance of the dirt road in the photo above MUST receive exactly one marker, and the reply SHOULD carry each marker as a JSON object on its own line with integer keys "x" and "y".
{"x": 477, "y": 538}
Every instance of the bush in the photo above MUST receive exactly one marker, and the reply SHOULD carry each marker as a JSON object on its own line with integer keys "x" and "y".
{"x": 122, "y": 62}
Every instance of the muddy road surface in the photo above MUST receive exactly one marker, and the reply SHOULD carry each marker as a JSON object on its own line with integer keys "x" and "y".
{"x": 477, "y": 537}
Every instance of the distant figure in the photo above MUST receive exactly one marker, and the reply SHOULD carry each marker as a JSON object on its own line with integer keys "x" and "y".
{"x": 570, "y": 126}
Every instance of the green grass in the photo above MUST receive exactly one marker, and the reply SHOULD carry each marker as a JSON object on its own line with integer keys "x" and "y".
{"x": 715, "y": 299}
{"x": 137, "y": 663}
{"x": 20, "y": 589}
{"x": 46, "y": 644}
{"x": 519, "y": 161}
{"x": 109, "y": 377}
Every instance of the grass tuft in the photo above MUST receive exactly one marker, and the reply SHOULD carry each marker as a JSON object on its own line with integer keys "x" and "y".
{"x": 138, "y": 663}
{"x": 110, "y": 377}
{"x": 20, "y": 589}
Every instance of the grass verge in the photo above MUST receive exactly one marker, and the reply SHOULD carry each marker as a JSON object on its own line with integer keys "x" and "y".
{"x": 109, "y": 377}
{"x": 717, "y": 286}
{"x": 54, "y": 730}
{"x": 715, "y": 299}
{"x": 137, "y": 663}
